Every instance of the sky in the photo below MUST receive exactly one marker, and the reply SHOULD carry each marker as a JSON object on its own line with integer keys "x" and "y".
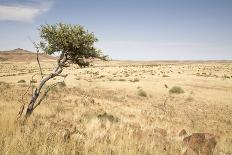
{"x": 128, "y": 29}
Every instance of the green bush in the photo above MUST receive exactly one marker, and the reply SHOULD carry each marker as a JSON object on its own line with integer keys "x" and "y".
{"x": 33, "y": 81}
{"x": 165, "y": 75}
{"x": 121, "y": 79}
{"x": 142, "y": 93}
{"x": 176, "y": 90}
{"x": 21, "y": 81}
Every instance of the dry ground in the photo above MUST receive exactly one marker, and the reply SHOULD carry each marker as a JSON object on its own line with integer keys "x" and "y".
{"x": 118, "y": 108}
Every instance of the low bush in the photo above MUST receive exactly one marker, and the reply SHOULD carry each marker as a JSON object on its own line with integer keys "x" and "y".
{"x": 22, "y": 81}
{"x": 142, "y": 93}
{"x": 134, "y": 80}
{"x": 176, "y": 90}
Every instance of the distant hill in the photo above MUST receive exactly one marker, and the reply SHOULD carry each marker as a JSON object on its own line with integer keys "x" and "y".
{"x": 21, "y": 55}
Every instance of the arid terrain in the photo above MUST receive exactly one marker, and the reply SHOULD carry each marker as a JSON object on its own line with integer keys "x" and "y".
{"x": 118, "y": 107}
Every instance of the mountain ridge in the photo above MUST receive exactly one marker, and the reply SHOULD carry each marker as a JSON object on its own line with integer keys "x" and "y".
{"x": 22, "y": 55}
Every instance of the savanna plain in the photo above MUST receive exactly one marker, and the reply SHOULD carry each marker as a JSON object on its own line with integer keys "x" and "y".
{"x": 117, "y": 107}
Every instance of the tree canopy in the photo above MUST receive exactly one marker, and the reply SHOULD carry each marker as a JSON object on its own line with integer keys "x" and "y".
{"x": 73, "y": 41}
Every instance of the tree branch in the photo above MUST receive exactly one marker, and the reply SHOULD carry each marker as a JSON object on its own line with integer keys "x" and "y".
{"x": 45, "y": 94}
{"x": 37, "y": 58}
{"x": 22, "y": 99}
{"x": 60, "y": 62}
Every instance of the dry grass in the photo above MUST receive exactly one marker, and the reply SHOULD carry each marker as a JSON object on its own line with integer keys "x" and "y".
{"x": 108, "y": 117}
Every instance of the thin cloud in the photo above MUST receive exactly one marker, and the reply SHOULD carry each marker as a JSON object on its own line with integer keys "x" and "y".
{"x": 25, "y": 12}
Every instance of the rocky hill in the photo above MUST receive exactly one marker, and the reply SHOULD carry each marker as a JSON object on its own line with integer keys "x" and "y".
{"x": 21, "y": 55}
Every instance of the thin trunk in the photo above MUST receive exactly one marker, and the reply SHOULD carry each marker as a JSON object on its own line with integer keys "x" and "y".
{"x": 60, "y": 62}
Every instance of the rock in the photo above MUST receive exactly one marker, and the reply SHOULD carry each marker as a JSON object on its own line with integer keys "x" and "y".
{"x": 200, "y": 144}
{"x": 182, "y": 133}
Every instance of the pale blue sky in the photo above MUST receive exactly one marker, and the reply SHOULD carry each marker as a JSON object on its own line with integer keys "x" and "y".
{"x": 128, "y": 29}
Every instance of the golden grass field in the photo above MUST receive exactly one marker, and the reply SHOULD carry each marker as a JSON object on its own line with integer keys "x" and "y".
{"x": 117, "y": 107}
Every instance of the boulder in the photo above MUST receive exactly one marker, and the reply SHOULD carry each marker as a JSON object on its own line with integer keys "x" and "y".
{"x": 200, "y": 144}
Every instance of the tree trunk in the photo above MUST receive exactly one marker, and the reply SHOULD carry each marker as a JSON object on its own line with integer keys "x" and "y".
{"x": 60, "y": 63}
{"x": 37, "y": 93}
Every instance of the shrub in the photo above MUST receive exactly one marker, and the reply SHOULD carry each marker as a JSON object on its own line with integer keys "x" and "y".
{"x": 33, "y": 81}
{"x": 122, "y": 80}
{"x": 142, "y": 93}
{"x": 22, "y": 81}
{"x": 226, "y": 76}
{"x": 4, "y": 85}
{"x": 176, "y": 90}
{"x": 61, "y": 84}
{"x": 165, "y": 75}
{"x": 134, "y": 80}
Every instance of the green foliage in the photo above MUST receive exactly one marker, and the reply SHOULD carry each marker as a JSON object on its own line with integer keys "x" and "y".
{"x": 22, "y": 81}
{"x": 165, "y": 75}
{"x": 121, "y": 79}
{"x": 33, "y": 81}
{"x": 142, "y": 93}
{"x": 3, "y": 59}
{"x": 74, "y": 41}
{"x": 176, "y": 90}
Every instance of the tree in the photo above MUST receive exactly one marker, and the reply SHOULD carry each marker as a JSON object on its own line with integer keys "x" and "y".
{"x": 73, "y": 43}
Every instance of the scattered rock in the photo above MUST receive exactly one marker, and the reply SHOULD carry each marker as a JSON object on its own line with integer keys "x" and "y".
{"x": 200, "y": 144}
{"x": 182, "y": 133}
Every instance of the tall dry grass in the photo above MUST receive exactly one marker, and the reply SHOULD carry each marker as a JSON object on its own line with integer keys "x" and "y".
{"x": 109, "y": 117}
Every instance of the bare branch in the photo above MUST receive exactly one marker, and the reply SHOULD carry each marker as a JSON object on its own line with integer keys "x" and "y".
{"x": 22, "y": 99}
{"x": 57, "y": 71}
{"x": 47, "y": 91}
{"x": 37, "y": 58}
{"x": 45, "y": 94}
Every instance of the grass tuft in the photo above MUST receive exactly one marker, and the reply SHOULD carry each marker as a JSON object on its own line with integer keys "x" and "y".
{"x": 142, "y": 93}
{"x": 176, "y": 90}
{"x": 22, "y": 81}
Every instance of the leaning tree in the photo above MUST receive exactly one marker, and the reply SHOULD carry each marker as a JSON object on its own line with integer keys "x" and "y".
{"x": 73, "y": 44}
